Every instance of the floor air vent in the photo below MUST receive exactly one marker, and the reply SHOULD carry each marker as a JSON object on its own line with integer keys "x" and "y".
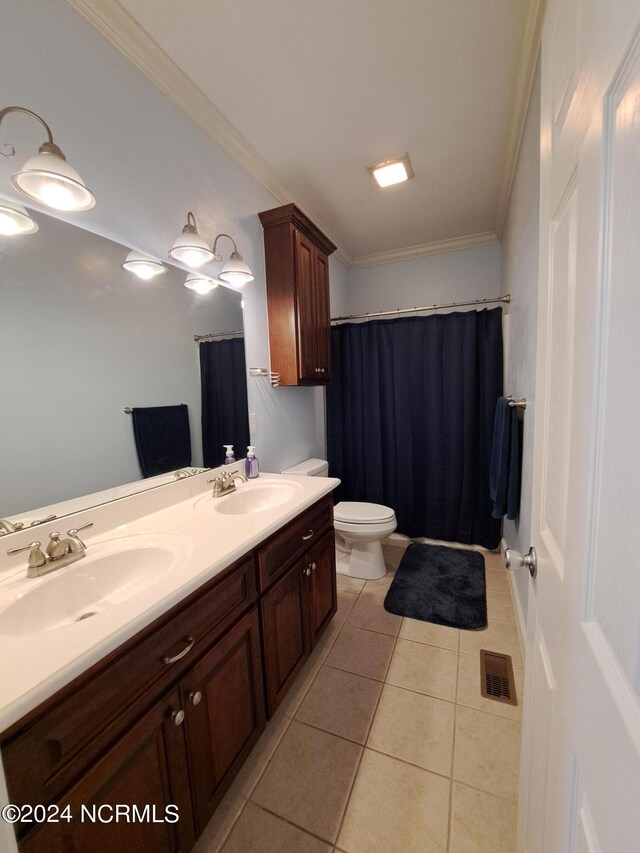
{"x": 496, "y": 679}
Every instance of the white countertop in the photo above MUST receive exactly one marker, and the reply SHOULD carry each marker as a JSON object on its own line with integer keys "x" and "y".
{"x": 34, "y": 666}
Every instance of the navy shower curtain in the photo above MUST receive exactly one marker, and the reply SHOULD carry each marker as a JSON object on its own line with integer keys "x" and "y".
{"x": 410, "y": 418}
{"x": 225, "y": 412}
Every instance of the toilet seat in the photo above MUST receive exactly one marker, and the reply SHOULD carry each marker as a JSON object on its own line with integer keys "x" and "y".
{"x": 357, "y": 512}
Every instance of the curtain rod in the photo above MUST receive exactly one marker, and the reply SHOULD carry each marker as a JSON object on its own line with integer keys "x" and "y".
{"x": 397, "y": 311}
{"x": 197, "y": 338}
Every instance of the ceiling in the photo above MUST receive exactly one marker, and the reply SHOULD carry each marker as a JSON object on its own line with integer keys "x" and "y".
{"x": 306, "y": 94}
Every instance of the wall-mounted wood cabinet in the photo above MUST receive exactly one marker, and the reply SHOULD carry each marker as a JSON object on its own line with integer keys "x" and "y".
{"x": 297, "y": 265}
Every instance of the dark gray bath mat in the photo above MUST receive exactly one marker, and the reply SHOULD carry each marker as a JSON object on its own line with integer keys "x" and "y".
{"x": 441, "y": 585}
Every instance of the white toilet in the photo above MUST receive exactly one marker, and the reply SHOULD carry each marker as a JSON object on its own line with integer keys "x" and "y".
{"x": 360, "y": 529}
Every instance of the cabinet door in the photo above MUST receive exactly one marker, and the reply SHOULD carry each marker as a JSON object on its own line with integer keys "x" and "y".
{"x": 306, "y": 307}
{"x": 322, "y": 314}
{"x": 224, "y": 701}
{"x": 147, "y": 769}
{"x": 321, "y": 559}
{"x": 285, "y": 632}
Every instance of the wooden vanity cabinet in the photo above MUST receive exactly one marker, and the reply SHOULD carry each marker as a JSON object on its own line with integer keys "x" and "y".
{"x": 297, "y": 608}
{"x": 170, "y": 717}
{"x": 297, "y": 267}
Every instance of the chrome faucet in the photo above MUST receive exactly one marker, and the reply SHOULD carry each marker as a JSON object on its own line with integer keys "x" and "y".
{"x": 225, "y": 484}
{"x": 7, "y": 526}
{"x": 59, "y": 552}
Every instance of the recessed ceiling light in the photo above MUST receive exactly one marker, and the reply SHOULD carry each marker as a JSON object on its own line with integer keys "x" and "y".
{"x": 389, "y": 172}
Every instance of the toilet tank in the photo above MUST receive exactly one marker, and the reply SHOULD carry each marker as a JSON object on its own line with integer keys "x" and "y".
{"x": 310, "y": 468}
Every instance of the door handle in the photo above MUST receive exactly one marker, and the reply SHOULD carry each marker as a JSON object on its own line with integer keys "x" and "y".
{"x": 515, "y": 560}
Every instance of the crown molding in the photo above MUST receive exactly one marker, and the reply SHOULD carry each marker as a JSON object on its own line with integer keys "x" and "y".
{"x": 522, "y": 94}
{"x": 455, "y": 244}
{"x": 112, "y": 21}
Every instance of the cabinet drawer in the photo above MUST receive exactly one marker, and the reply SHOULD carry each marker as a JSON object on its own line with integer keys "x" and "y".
{"x": 287, "y": 545}
{"x": 67, "y": 733}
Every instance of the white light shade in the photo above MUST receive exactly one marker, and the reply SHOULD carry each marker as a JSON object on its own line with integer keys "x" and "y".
{"x": 49, "y": 179}
{"x": 390, "y": 172}
{"x": 236, "y": 272}
{"x": 190, "y": 249}
{"x": 202, "y": 284}
{"x": 15, "y": 220}
{"x": 144, "y": 266}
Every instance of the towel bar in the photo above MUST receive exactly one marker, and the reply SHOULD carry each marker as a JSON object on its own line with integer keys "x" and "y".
{"x": 517, "y": 404}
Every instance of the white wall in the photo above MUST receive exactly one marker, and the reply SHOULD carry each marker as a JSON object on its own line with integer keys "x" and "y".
{"x": 448, "y": 277}
{"x": 147, "y": 164}
{"x": 520, "y": 279}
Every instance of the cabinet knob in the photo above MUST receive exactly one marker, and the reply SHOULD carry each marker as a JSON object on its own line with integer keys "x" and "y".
{"x": 306, "y": 571}
{"x": 177, "y": 717}
{"x": 313, "y": 567}
{"x": 195, "y": 698}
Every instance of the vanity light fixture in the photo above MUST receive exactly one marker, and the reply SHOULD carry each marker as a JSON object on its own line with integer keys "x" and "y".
{"x": 47, "y": 177}
{"x": 189, "y": 248}
{"x": 235, "y": 272}
{"x": 389, "y": 172}
{"x": 144, "y": 266}
{"x": 15, "y": 219}
{"x": 201, "y": 283}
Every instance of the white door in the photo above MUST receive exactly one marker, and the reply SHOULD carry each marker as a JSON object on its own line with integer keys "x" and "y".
{"x": 580, "y": 788}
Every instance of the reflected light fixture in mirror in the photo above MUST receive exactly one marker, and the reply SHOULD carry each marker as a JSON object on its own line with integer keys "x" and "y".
{"x": 47, "y": 177}
{"x": 235, "y": 272}
{"x": 189, "y": 248}
{"x": 144, "y": 266}
{"x": 15, "y": 219}
{"x": 202, "y": 284}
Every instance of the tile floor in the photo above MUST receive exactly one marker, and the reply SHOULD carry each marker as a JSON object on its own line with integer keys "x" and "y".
{"x": 384, "y": 743}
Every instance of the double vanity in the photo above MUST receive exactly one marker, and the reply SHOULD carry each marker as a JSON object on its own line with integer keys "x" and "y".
{"x": 142, "y": 673}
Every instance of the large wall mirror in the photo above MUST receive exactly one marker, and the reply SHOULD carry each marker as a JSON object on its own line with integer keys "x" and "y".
{"x": 81, "y": 341}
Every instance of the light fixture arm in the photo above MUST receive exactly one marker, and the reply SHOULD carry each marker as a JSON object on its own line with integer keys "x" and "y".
{"x": 48, "y": 147}
{"x": 190, "y": 227}
{"x": 235, "y": 248}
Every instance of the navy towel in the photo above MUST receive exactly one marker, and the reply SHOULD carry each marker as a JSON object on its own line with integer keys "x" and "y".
{"x": 504, "y": 470}
{"x": 163, "y": 439}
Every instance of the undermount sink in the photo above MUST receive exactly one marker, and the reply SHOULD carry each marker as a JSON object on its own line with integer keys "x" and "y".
{"x": 111, "y": 573}
{"x": 251, "y": 497}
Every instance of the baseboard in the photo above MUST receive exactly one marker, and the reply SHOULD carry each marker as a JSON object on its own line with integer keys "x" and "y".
{"x": 521, "y": 624}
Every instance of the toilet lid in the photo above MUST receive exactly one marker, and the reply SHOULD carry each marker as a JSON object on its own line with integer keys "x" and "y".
{"x": 362, "y": 513}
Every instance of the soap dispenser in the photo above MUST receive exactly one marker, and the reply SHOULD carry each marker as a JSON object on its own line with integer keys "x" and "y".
{"x": 251, "y": 467}
{"x": 229, "y": 458}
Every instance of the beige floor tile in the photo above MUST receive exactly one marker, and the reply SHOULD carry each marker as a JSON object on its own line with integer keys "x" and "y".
{"x": 497, "y": 581}
{"x": 487, "y": 752}
{"x": 348, "y": 584}
{"x": 252, "y": 769}
{"x": 258, "y": 831}
{"x": 493, "y": 560}
{"x": 469, "y": 689}
{"x": 308, "y": 779}
{"x": 393, "y": 555}
{"x": 341, "y": 703}
{"x": 426, "y": 669}
{"x": 363, "y": 652}
{"x": 221, "y": 824}
{"x": 346, "y": 600}
{"x": 327, "y": 640}
{"x": 379, "y": 587}
{"x": 368, "y": 612}
{"x": 481, "y": 823}
{"x": 395, "y": 808}
{"x": 497, "y": 637}
{"x": 500, "y": 607}
{"x": 415, "y": 728}
{"x": 428, "y": 632}
{"x": 298, "y": 689}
